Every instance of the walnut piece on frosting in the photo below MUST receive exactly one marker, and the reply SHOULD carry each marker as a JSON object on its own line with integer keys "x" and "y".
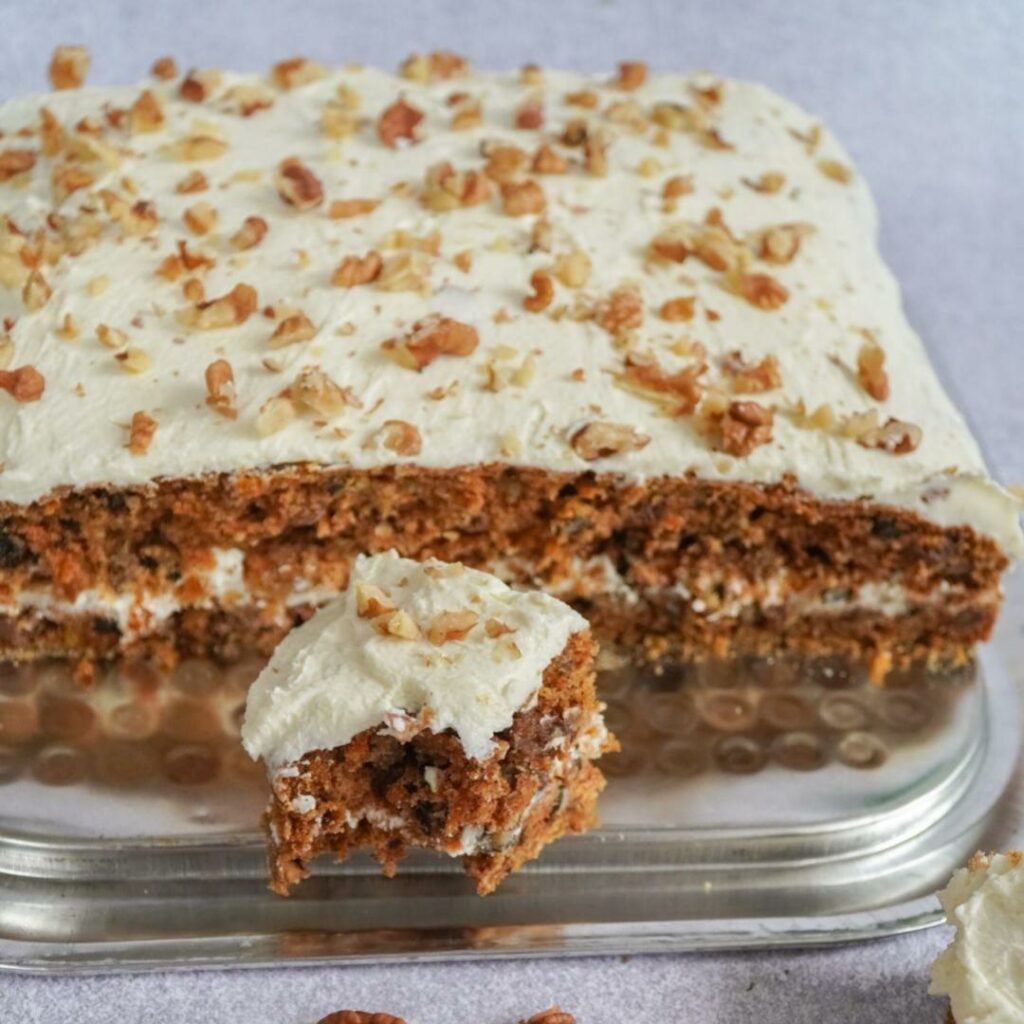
{"x": 600, "y": 440}
{"x": 357, "y": 270}
{"x": 401, "y": 437}
{"x": 228, "y": 310}
{"x": 68, "y": 67}
{"x": 220, "y": 389}
{"x": 741, "y": 427}
{"x": 430, "y": 338}
{"x": 25, "y": 384}
{"x": 399, "y": 122}
{"x": 140, "y": 433}
{"x": 871, "y": 370}
{"x": 297, "y": 185}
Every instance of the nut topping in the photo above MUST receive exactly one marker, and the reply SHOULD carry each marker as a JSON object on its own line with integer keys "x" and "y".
{"x": 164, "y": 68}
{"x": 292, "y": 330}
{"x": 681, "y": 390}
{"x": 741, "y": 428}
{"x": 447, "y": 188}
{"x": 140, "y": 433}
{"x": 356, "y": 270}
{"x": 871, "y": 370}
{"x": 750, "y": 380}
{"x": 400, "y": 437}
{"x": 450, "y": 626}
{"x": 341, "y": 209}
{"x": 25, "y": 384}
{"x": 543, "y": 292}
{"x": 250, "y": 234}
{"x": 372, "y": 601}
{"x": 519, "y": 198}
{"x": 68, "y": 67}
{"x": 895, "y": 436}
{"x": 220, "y": 389}
{"x": 227, "y": 311}
{"x": 296, "y": 71}
{"x": 145, "y": 114}
{"x": 297, "y": 185}
{"x": 678, "y": 310}
{"x": 762, "y": 291}
{"x": 632, "y": 74}
{"x": 315, "y": 391}
{"x": 16, "y": 161}
{"x": 400, "y": 121}
{"x": 430, "y": 338}
{"x": 600, "y": 440}
{"x": 529, "y": 115}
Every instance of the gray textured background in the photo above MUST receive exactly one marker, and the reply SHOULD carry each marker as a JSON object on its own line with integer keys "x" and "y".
{"x": 927, "y": 94}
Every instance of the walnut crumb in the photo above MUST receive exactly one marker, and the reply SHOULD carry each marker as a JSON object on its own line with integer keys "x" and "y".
{"x": 678, "y": 310}
{"x": 296, "y": 71}
{"x": 16, "y": 161}
{"x": 250, "y": 234}
{"x": 68, "y": 67}
{"x": 141, "y": 433}
{"x": 747, "y": 379}
{"x": 543, "y": 292}
{"x": 495, "y": 628}
{"x": 229, "y": 310}
{"x": 451, "y": 625}
{"x": 621, "y": 312}
{"x": 372, "y": 600}
{"x": 741, "y": 428}
{"x": 871, "y": 370}
{"x": 600, "y": 440}
{"x": 341, "y": 209}
{"x": 397, "y": 122}
{"x": 400, "y": 437}
{"x": 25, "y": 384}
{"x": 220, "y": 389}
{"x": 194, "y": 181}
{"x": 133, "y": 359}
{"x": 145, "y": 114}
{"x": 200, "y": 218}
{"x": 447, "y": 189}
{"x": 529, "y": 114}
{"x": 293, "y": 330}
{"x": 631, "y": 75}
{"x": 836, "y": 171}
{"x": 520, "y": 198}
{"x": 895, "y": 436}
{"x": 763, "y": 291}
{"x": 164, "y": 68}
{"x": 430, "y": 338}
{"x": 769, "y": 183}
{"x": 357, "y": 270}
{"x": 275, "y": 414}
{"x": 317, "y": 392}
{"x": 297, "y": 185}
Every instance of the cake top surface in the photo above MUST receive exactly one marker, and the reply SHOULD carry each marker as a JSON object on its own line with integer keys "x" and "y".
{"x": 643, "y": 274}
{"x": 409, "y": 645}
{"x": 982, "y": 970}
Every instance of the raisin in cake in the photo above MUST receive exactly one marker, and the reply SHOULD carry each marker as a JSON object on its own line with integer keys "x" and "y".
{"x": 627, "y": 339}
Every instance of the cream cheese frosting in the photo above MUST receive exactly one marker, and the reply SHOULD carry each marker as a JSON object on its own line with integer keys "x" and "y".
{"x": 111, "y": 337}
{"x": 408, "y": 642}
{"x": 982, "y": 970}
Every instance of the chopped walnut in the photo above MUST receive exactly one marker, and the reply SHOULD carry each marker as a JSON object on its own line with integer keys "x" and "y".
{"x": 133, "y": 359}
{"x": 194, "y": 181}
{"x": 430, "y": 338}
{"x": 622, "y": 312}
{"x": 229, "y": 310}
{"x": 519, "y": 198}
{"x": 529, "y": 115}
{"x": 275, "y": 414}
{"x": 469, "y": 113}
{"x": 135, "y": 219}
{"x": 586, "y": 98}
{"x": 547, "y": 161}
{"x": 36, "y": 292}
{"x": 836, "y": 171}
{"x": 871, "y": 370}
{"x": 495, "y": 628}
{"x": 762, "y": 291}
{"x": 674, "y": 187}
{"x": 296, "y": 71}
{"x": 293, "y": 330}
{"x": 573, "y": 268}
{"x": 769, "y": 183}
{"x": 200, "y": 85}
{"x": 747, "y": 379}
{"x": 552, "y": 1015}
{"x": 632, "y": 74}
{"x": 440, "y": 65}
{"x": 164, "y": 68}
{"x": 297, "y": 185}
{"x": 111, "y": 337}
{"x": 372, "y": 601}
{"x": 145, "y": 114}
{"x": 741, "y": 428}
{"x": 543, "y": 292}
{"x": 200, "y": 218}
{"x": 681, "y": 390}
{"x": 68, "y": 67}
{"x": 357, "y": 270}
{"x": 314, "y": 390}
{"x": 629, "y": 114}
{"x": 220, "y": 389}
{"x": 450, "y": 626}
{"x": 250, "y": 234}
{"x": 505, "y": 163}
{"x": 600, "y": 440}
{"x": 25, "y": 384}
{"x": 198, "y": 147}
{"x": 595, "y": 154}
{"x": 248, "y": 98}
{"x": 70, "y": 178}
{"x": 404, "y": 272}
{"x": 338, "y": 121}
{"x": 447, "y": 188}
{"x": 400, "y": 625}
{"x": 341, "y": 209}
{"x": 141, "y": 433}
{"x": 677, "y": 310}
{"x": 711, "y": 243}
{"x": 399, "y": 121}
{"x": 400, "y": 437}
{"x": 16, "y": 161}
{"x": 895, "y": 436}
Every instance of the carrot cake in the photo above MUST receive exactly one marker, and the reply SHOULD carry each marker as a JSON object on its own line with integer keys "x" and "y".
{"x": 429, "y": 706}
{"x": 981, "y": 971}
{"x": 624, "y": 338}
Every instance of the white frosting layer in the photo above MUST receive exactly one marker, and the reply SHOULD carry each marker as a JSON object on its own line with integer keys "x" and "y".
{"x": 338, "y": 674}
{"x": 982, "y": 971}
{"x": 838, "y": 288}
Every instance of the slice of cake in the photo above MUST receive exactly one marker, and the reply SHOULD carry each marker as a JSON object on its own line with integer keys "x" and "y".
{"x": 429, "y": 706}
{"x": 627, "y": 339}
{"x": 982, "y": 970}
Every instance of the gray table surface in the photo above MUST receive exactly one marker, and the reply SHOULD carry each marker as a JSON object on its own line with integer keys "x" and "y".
{"x": 927, "y": 94}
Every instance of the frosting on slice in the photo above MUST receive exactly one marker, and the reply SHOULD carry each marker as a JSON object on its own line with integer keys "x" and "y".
{"x": 407, "y": 644}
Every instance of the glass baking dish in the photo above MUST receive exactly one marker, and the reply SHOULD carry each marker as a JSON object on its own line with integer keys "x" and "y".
{"x": 754, "y": 803}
